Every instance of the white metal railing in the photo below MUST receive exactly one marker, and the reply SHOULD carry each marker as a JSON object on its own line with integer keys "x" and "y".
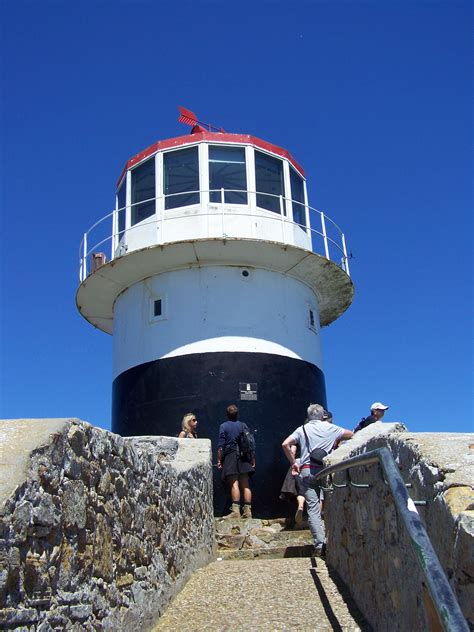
{"x": 328, "y": 242}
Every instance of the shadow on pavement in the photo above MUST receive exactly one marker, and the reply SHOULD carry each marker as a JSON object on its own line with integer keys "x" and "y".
{"x": 345, "y": 594}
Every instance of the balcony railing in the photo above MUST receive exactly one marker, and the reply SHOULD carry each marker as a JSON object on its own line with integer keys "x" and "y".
{"x": 327, "y": 240}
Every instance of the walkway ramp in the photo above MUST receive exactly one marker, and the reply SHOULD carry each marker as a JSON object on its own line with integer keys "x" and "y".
{"x": 264, "y": 579}
{"x": 262, "y": 595}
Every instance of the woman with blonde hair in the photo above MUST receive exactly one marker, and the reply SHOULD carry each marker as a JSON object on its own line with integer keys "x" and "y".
{"x": 188, "y": 425}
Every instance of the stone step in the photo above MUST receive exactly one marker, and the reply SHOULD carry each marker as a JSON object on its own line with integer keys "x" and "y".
{"x": 269, "y": 553}
{"x": 261, "y": 539}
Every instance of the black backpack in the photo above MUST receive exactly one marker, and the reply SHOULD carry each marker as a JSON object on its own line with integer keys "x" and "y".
{"x": 364, "y": 422}
{"x": 245, "y": 443}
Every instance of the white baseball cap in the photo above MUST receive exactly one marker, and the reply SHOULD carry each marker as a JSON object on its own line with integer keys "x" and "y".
{"x": 378, "y": 406}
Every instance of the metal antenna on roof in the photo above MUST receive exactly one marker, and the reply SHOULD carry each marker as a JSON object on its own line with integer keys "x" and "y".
{"x": 189, "y": 118}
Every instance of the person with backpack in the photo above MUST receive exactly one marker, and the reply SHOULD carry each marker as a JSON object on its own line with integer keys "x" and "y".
{"x": 315, "y": 438}
{"x": 236, "y": 459}
{"x": 377, "y": 411}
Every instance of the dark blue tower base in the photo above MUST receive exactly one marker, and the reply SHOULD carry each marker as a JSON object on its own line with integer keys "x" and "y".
{"x": 152, "y": 398}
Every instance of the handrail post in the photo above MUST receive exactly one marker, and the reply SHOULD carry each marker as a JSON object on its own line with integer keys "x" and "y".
{"x": 282, "y": 220}
{"x": 115, "y": 223}
{"x": 163, "y": 220}
{"x": 222, "y": 210}
{"x": 346, "y": 258}
{"x": 325, "y": 237}
{"x": 84, "y": 258}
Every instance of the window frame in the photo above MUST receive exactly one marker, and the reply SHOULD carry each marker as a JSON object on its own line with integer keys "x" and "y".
{"x": 119, "y": 233}
{"x": 150, "y": 159}
{"x": 243, "y": 148}
{"x": 164, "y": 308}
{"x": 199, "y": 189}
{"x": 312, "y": 311}
{"x": 283, "y": 161}
{"x": 303, "y": 203}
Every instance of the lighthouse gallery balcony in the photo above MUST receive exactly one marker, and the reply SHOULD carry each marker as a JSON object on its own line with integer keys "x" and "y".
{"x": 201, "y": 191}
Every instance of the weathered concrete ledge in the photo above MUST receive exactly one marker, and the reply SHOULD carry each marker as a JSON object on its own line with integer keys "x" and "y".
{"x": 367, "y": 543}
{"x": 98, "y": 531}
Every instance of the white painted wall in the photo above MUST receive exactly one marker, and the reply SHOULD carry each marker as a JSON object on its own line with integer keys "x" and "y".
{"x": 208, "y": 220}
{"x": 213, "y": 309}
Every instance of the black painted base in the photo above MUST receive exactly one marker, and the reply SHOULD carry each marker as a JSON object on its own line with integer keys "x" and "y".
{"x": 152, "y": 398}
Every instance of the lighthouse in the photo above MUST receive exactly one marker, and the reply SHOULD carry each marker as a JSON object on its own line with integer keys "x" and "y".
{"x": 214, "y": 276}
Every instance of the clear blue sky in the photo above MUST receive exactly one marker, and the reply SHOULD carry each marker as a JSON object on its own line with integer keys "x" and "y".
{"x": 373, "y": 98}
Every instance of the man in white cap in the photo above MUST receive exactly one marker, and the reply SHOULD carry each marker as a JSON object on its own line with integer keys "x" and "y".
{"x": 377, "y": 411}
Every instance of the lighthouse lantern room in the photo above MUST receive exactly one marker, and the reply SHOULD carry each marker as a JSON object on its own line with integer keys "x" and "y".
{"x": 218, "y": 279}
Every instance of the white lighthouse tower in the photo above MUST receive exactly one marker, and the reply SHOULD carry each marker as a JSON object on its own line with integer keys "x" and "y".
{"x": 218, "y": 280}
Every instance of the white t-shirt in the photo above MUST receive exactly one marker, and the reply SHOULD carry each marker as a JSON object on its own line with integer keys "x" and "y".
{"x": 321, "y": 434}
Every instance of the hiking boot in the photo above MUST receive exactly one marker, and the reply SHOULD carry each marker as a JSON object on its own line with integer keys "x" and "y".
{"x": 247, "y": 513}
{"x": 234, "y": 511}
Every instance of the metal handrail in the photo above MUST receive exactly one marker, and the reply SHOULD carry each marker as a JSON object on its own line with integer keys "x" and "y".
{"x": 86, "y": 250}
{"x": 442, "y": 599}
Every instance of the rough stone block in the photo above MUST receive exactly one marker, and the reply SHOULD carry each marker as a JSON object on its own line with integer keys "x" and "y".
{"x": 103, "y": 549}
{"x": 22, "y": 518}
{"x": 80, "y": 612}
{"x": 46, "y": 513}
{"x": 141, "y": 573}
{"x": 105, "y": 484}
{"x": 13, "y": 617}
{"x": 120, "y": 487}
{"x": 265, "y": 534}
{"x": 459, "y": 499}
{"x": 124, "y": 580}
{"x": 251, "y": 542}
{"x": 49, "y": 475}
{"x": 64, "y": 597}
{"x": 150, "y": 522}
{"x": 3, "y": 586}
{"x": 231, "y": 541}
{"x": 72, "y": 464}
{"x": 78, "y": 440}
{"x": 74, "y": 504}
{"x": 35, "y": 576}
{"x": 67, "y": 567}
{"x": 58, "y": 619}
{"x": 39, "y": 532}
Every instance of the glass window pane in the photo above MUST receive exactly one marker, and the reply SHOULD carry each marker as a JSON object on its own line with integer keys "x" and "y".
{"x": 297, "y": 196}
{"x": 181, "y": 175}
{"x": 269, "y": 179}
{"x": 121, "y": 202}
{"x": 227, "y": 171}
{"x": 143, "y": 188}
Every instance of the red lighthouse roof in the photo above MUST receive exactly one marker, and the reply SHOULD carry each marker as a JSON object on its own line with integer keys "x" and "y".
{"x": 199, "y": 135}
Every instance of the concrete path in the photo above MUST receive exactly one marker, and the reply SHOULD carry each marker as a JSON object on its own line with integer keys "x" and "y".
{"x": 262, "y": 595}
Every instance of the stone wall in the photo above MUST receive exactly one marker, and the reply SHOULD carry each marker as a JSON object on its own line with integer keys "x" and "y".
{"x": 98, "y": 532}
{"x": 367, "y": 545}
